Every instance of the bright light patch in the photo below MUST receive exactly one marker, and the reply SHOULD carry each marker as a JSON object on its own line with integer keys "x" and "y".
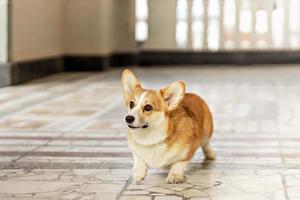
{"x": 261, "y": 25}
{"x": 181, "y": 34}
{"x": 294, "y": 41}
{"x": 182, "y": 24}
{"x": 197, "y": 9}
{"x": 197, "y": 31}
{"x": 182, "y": 10}
{"x": 229, "y": 14}
{"x": 213, "y": 8}
{"x": 277, "y": 28}
{"x": 245, "y": 25}
{"x": 197, "y": 24}
{"x": 141, "y": 29}
{"x": 294, "y": 15}
{"x": 141, "y": 9}
{"x": 294, "y": 24}
{"x": 141, "y": 26}
{"x": 213, "y": 37}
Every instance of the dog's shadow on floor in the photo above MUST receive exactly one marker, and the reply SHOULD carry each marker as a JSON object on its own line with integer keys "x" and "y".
{"x": 192, "y": 168}
{"x": 205, "y": 165}
{"x": 156, "y": 177}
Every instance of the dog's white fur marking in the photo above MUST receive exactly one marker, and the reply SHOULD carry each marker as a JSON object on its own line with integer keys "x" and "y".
{"x": 141, "y": 99}
{"x": 139, "y": 168}
{"x": 154, "y": 134}
{"x": 176, "y": 173}
{"x": 157, "y": 154}
{"x": 136, "y": 111}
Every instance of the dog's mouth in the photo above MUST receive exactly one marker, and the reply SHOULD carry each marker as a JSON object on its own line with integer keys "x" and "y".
{"x": 135, "y": 127}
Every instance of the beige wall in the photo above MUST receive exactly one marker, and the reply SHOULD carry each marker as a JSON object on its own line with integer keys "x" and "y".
{"x": 162, "y": 25}
{"x": 88, "y": 25}
{"x": 37, "y": 27}
{"x": 47, "y": 28}
{"x": 124, "y": 26}
{"x": 99, "y": 26}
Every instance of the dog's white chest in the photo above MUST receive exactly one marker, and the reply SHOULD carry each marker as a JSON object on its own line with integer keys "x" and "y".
{"x": 150, "y": 146}
{"x": 156, "y": 156}
{"x": 159, "y": 155}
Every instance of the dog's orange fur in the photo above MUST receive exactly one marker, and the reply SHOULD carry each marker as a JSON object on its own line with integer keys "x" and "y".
{"x": 191, "y": 123}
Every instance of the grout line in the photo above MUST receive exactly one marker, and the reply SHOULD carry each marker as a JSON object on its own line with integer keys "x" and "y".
{"x": 283, "y": 179}
{"x": 128, "y": 182}
{"x": 36, "y": 148}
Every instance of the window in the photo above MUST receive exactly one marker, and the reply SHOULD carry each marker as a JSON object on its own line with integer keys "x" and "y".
{"x": 3, "y": 30}
{"x": 141, "y": 26}
{"x": 245, "y": 24}
{"x": 182, "y": 23}
{"x": 229, "y": 24}
{"x": 198, "y": 24}
{"x": 294, "y": 26}
{"x": 213, "y": 32}
{"x": 278, "y": 25}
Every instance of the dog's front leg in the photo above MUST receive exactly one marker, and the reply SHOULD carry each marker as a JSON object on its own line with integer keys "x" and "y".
{"x": 176, "y": 174}
{"x": 139, "y": 169}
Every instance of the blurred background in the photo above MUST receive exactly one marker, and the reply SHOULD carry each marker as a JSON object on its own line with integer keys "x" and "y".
{"x": 70, "y": 35}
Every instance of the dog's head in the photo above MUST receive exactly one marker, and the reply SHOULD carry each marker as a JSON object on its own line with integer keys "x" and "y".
{"x": 146, "y": 108}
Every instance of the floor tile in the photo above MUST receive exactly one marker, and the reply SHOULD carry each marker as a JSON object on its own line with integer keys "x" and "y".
{"x": 64, "y": 137}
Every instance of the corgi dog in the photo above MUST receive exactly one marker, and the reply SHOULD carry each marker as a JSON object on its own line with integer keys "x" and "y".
{"x": 165, "y": 127}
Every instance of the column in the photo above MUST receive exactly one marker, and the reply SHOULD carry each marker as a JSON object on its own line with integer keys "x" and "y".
{"x": 3, "y": 31}
{"x": 206, "y": 21}
{"x": 286, "y": 24}
{"x": 190, "y": 22}
{"x": 253, "y": 34}
{"x": 123, "y": 26}
{"x": 221, "y": 25}
{"x": 237, "y": 27}
{"x": 162, "y": 25}
{"x": 270, "y": 32}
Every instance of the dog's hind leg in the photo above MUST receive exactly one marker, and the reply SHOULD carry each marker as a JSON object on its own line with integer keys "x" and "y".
{"x": 208, "y": 151}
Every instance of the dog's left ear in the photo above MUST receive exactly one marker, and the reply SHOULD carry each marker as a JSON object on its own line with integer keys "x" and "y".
{"x": 173, "y": 94}
{"x": 129, "y": 84}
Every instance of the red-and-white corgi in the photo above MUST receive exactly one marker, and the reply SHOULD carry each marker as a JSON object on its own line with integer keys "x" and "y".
{"x": 166, "y": 127}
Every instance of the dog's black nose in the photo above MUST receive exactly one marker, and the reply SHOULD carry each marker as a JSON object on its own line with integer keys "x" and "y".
{"x": 129, "y": 119}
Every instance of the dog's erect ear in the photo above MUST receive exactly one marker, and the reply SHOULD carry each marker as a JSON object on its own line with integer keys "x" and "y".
{"x": 129, "y": 84}
{"x": 173, "y": 94}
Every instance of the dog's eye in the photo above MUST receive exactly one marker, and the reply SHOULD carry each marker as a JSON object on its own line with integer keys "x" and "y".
{"x": 131, "y": 104}
{"x": 148, "y": 108}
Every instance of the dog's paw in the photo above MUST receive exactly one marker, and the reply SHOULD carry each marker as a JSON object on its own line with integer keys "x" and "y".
{"x": 138, "y": 177}
{"x": 175, "y": 178}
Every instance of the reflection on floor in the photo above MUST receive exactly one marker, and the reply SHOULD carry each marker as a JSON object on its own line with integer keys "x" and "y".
{"x": 63, "y": 137}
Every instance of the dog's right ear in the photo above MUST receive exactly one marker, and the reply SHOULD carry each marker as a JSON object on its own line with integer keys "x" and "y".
{"x": 129, "y": 84}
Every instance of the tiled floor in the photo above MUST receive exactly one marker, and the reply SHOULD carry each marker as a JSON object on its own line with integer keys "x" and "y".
{"x": 63, "y": 137}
